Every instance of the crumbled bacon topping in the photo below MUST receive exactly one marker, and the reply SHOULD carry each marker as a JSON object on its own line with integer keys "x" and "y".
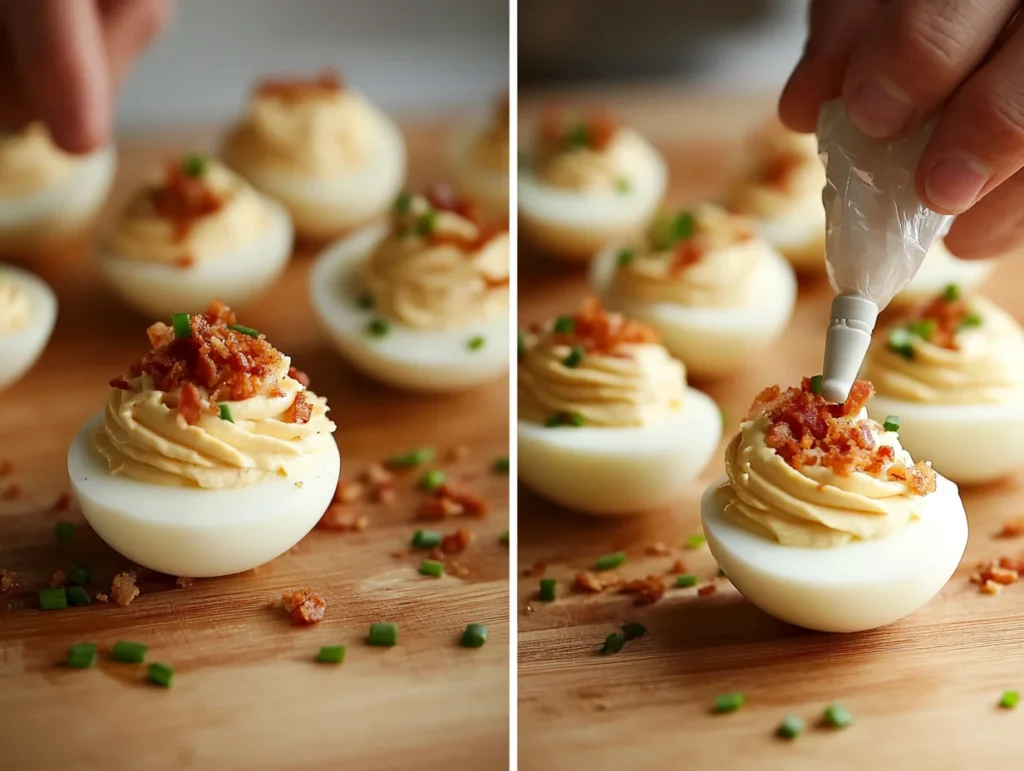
{"x": 599, "y": 332}
{"x": 304, "y": 606}
{"x": 777, "y": 172}
{"x": 646, "y": 590}
{"x": 6, "y": 579}
{"x": 456, "y": 543}
{"x": 296, "y": 89}
{"x": 299, "y": 375}
{"x": 123, "y": 588}
{"x": 184, "y": 199}
{"x": 300, "y": 410}
{"x": 993, "y": 575}
{"x": 658, "y": 549}
{"x": 445, "y": 198}
{"x": 707, "y": 590}
{"x": 63, "y": 502}
{"x": 538, "y": 568}
{"x": 687, "y": 252}
{"x": 588, "y": 581}
{"x": 678, "y": 567}
{"x": 948, "y": 318}
{"x": 595, "y": 132}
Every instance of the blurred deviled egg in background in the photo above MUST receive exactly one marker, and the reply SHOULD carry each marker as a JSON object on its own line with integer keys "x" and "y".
{"x": 718, "y": 294}
{"x": 197, "y": 232}
{"x": 28, "y": 311}
{"x": 420, "y": 302}
{"x": 607, "y": 424}
{"x": 479, "y": 159}
{"x": 586, "y": 182}
{"x": 327, "y": 153}
{"x": 941, "y": 268}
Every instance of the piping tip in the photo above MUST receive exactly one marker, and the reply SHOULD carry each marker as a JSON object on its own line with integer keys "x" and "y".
{"x": 846, "y": 344}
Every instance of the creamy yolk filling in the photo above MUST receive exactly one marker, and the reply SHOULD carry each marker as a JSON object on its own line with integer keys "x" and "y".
{"x": 31, "y": 162}
{"x": 783, "y": 171}
{"x": 593, "y": 155}
{"x": 15, "y": 306}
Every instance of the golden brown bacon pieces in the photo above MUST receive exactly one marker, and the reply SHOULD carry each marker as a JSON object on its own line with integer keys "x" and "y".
{"x": 597, "y": 331}
{"x": 948, "y": 317}
{"x": 184, "y": 199}
{"x": 595, "y": 132}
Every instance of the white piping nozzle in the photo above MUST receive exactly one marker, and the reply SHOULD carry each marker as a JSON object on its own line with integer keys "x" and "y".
{"x": 846, "y": 344}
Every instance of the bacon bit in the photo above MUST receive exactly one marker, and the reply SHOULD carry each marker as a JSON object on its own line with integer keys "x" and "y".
{"x": 471, "y": 503}
{"x": 191, "y": 406}
{"x": 496, "y": 283}
{"x": 376, "y": 474}
{"x": 1000, "y": 573}
{"x": 300, "y": 411}
{"x": 436, "y": 554}
{"x": 6, "y": 579}
{"x": 456, "y": 543}
{"x": 101, "y": 597}
{"x": 678, "y": 567}
{"x": 1012, "y": 528}
{"x": 121, "y": 383}
{"x": 185, "y": 261}
{"x": 400, "y": 553}
{"x": 384, "y": 494}
{"x": 948, "y": 316}
{"x": 12, "y": 493}
{"x": 58, "y": 579}
{"x": 184, "y": 200}
{"x": 362, "y": 522}
{"x": 586, "y": 581}
{"x": 299, "y": 375}
{"x": 438, "y": 508}
{"x": 991, "y": 587}
{"x": 707, "y": 590}
{"x": 349, "y": 491}
{"x": 597, "y": 331}
{"x": 63, "y": 502}
{"x": 460, "y": 570}
{"x": 123, "y": 588}
{"x": 183, "y": 582}
{"x": 6, "y": 468}
{"x": 456, "y": 454}
{"x": 687, "y": 252}
{"x": 537, "y": 569}
{"x": 658, "y": 549}
{"x": 327, "y": 82}
{"x": 337, "y": 517}
{"x": 647, "y": 590}
{"x": 305, "y": 606}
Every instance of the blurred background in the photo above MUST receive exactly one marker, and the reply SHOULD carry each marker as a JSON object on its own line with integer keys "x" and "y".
{"x": 411, "y": 57}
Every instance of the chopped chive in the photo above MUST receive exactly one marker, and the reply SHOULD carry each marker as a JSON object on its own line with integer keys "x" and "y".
{"x": 331, "y": 654}
{"x": 728, "y": 702}
{"x": 520, "y": 344}
{"x": 384, "y": 635}
{"x": 565, "y": 325}
{"x": 427, "y": 223}
{"x": 575, "y": 419}
{"x": 244, "y": 330}
{"x": 790, "y": 728}
{"x": 500, "y": 465}
{"x": 626, "y": 256}
{"x": 818, "y": 384}
{"x": 365, "y": 301}
{"x": 476, "y": 343}
{"x": 554, "y": 421}
{"x": 667, "y": 232}
{"x": 432, "y": 568}
{"x": 64, "y": 531}
{"x": 623, "y": 185}
{"x": 892, "y": 423}
{"x": 403, "y": 202}
{"x": 225, "y": 413}
{"x": 503, "y": 538}
{"x": 613, "y": 643}
{"x": 1009, "y": 699}
{"x": 547, "y": 589}
{"x": 683, "y": 226}
{"x": 53, "y": 599}
{"x": 951, "y": 293}
{"x": 837, "y": 715}
{"x": 900, "y": 341}
{"x": 633, "y": 629}
{"x": 82, "y": 655}
{"x": 181, "y": 325}
{"x": 79, "y": 574}
{"x": 433, "y": 480}
{"x": 77, "y": 596}
{"x": 609, "y": 561}
{"x": 377, "y": 328}
{"x": 695, "y": 541}
{"x": 574, "y": 358}
{"x": 474, "y": 636}
{"x": 426, "y": 539}
{"x": 413, "y": 458}
{"x": 972, "y": 319}
{"x": 923, "y": 329}
{"x": 160, "y": 674}
{"x": 577, "y": 137}
{"x": 686, "y": 580}
{"x": 194, "y": 165}
{"x": 128, "y": 652}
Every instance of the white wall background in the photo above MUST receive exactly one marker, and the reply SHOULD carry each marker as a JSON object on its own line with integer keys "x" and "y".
{"x": 410, "y": 56}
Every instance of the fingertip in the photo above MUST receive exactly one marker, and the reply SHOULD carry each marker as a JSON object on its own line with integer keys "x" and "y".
{"x": 798, "y": 107}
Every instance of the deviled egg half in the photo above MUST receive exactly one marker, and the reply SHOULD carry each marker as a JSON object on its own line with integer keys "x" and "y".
{"x": 951, "y": 375}
{"x": 940, "y": 269}
{"x": 47, "y": 195}
{"x": 28, "y": 311}
{"x": 717, "y": 294}
{"x": 479, "y": 161}
{"x": 779, "y": 186}
{"x": 607, "y": 424}
{"x": 328, "y": 154}
{"x": 824, "y": 520}
{"x": 211, "y": 456}
{"x": 420, "y": 302}
{"x": 586, "y": 183}
{"x": 197, "y": 232}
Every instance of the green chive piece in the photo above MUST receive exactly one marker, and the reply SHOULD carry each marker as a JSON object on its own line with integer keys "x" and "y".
{"x": 728, "y": 702}
{"x": 613, "y": 643}
{"x": 128, "y": 652}
{"x": 923, "y": 329}
{"x": 520, "y": 344}
{"x": 972, "y": 319}
{"x": 160, "y": 674}
{"x": 64, "y": 532}
{"x": 413, "y": 458}
{"x": 577, "y": 137}
{"x": 609, "y": 561}
{"x": 902, "y": 342}
{"x": 565, "y": 325}
{"x": 331, "y": 654}
{"x": 575, "y": 419}
{"x": 403, "y": 202}
{"x": 377, "y": 328}
{"x": 503, "y": 538}
{"x": 225, "y": 413}
{"x": 244, "y": 330}
{"x": 633, "y": 629}
{"x": 82, "y": 655}
{"x": 574, "y": 358}
{"x": 695, "y": 541}
{"x": 951, "y": 293}
{"x": 667, "y": 232}
{"x": 474, "y": 636}
{"x": 623, "y": 185}
{"x": 1009, "y": 699}
{"x": 79, "y": 574}
{"x": 547, "y": 589}
{"x": 426, "y": 539}
{"x": 837, "y": 715}
{"x": 53, "y": 599}
{"x": 892, "y": 423}
{"x": 500, "y": 465}
{"x": 554, "y": 421}
{"x": 818, "y": 384}
{"x": 77, "y": 596}
{"x": 384, "y": 635}
{"x": 427, "y": 223}
{"x": 432, "y": 568}
{"x": 194, "y": 165}
{"x": 476, "y": 343}
{"x": 365, "y": 301}
{"x": 433, "y": 480}
{"x": 686, "y": 580}
{"x": 790, "y": 728}
{"x": 180, "y": 324}
{"x": 626, "y": 256}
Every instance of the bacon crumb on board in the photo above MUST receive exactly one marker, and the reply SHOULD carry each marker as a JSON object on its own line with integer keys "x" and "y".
{"x": 183, "y": 582}
{"x": 123, "y": 588}
{"x": 997, "y": 573}
{"x": 339, "y": 517}
{"x": 456, "y": 543}
{"x": 678, "y": 567}
{"x": 450, "y": 500}
{"x": 647, "y": 590}
{"x": 1012, "y": 528}
{"x": 707, "y": 590}
{"x": 586, "y": 581}
{"x": 304, "y": 606}
{"x": 991, "y": 587}
{"x": 58, "y": 579}
{"x": 6, "y": 579}
{"x": 376, "y": 474}
{"x": 461, "y": 452}
{"x": 400, "y": 553}
{"x": 538, "y": 568}
{"x": 101, "y": 597}
{"x": 384, "y": 494}
{"x": 63, "y": 502}
{"x": 658, "y": 549}
{"x": 349, "y": 491}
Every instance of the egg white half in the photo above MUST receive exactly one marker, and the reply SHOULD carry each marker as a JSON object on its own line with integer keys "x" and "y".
{"x": 200, "y": 533}
{"x": 798, "y": 233}
{"x": 157, "y": 290}
{"x": 19, "y": 349}
{"x": 851, "y": 588}
{"x": 481, "y": 185}
{"x": 711, "y": 341}
{"x": 969, "y": 443}
{"x": 575, "y": 225}
{"x": 616, "y": 471}
{"x": 413, "y": 359}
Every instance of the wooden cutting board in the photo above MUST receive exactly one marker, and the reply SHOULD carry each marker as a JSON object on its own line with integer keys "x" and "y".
{"x": 247, "y": 694}
{"x": 923, "y": 691}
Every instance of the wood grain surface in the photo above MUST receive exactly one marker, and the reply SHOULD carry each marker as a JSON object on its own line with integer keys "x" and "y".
{"x": 923, "y": 691}
{"x": 247, "y": 694}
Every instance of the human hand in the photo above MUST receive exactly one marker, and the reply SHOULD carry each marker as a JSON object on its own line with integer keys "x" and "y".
{"x": 61, "y": 61}
{"x": 898, "y": 63}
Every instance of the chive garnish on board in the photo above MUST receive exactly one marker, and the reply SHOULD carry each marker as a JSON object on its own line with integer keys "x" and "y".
{"x": 160, "y": 674}
{"x": 79, "y": 574}
{"x": 837, "y": 715}
{"x": 728, "y": 702}
{"x": 413, "y": 458}
{"x": 500, "y": 465}
{"x": 331, "y": 654}
{"x": 426, "y": 539}
{"x": 633, "y": 629}
{"x": 613, "y": 643}
{"x": 53, "y": 598}
{"x": 790, "y": 728}
{"x": 474, "y": 636}
{"x": 432, "y": 480}
{"x": 547, "y": 589}
{"x": 128, "y": 652}
{"x": 432, "y": 568}
{"x": 77, "y": 596}
{"x": 194, "y": 165}
{"x": 244, "y": 330}
{"x": 82, "y": 655}
{"x": 1009, "y": 699}
{"x": 476, "y": 343}
{"x": 383, "y": 634}
{"x": 225, "y": 413}
{"x": 64, "y": 532}
{"x": 695, "y": 541}
{"x": 609, "y": 561}
{"x": 892, "y": 423}
{"x": 686, "y": 580}
{"x": 181, "y": 325}
{"x": 818, "y": 385}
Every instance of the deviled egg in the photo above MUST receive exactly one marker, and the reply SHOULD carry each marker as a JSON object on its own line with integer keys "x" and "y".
{"x": 940, "y": 269}
{"x": 824, "y": 520}
{"x": 47, "y": 195}
{"x": 952, "y": 375}
{"x": 479, "y": 161}
{"x": 421, "y": 302}
{"x": 211, "y": 456}
{"x": 28, "y": 311}
{"x": 586, "y": 183}
{"x": 607, "y": 424}
{"x": 328, "y": 154}
{"x": 197, "y": 232}
{"x": 779, "y": 186}
{"x": 717, "y": 294}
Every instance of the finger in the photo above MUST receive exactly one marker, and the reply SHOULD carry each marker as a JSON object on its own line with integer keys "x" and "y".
{"x": 994, "y": 226}
{"x": 835, "y": 28}
{"x": 129, "y": 26}
{"x": 979, "y": 140}
{"x": 916, "y": 54}
{"x": 60, "y": 63}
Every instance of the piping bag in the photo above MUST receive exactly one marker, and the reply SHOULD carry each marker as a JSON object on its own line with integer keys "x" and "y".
{"x": 877, "y": 233}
